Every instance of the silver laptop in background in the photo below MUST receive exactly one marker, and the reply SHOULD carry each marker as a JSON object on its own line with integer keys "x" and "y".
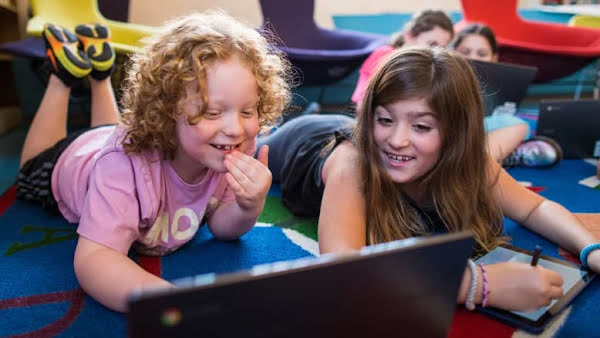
{"x": 402, "y": 288}
{"x": 574, "y": 124}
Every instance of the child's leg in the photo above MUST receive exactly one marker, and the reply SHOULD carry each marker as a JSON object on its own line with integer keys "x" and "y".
{"x": 68, "y": 66}
{"x": 503, "y": 141}
{"x": 104, "y": 104}
{"x": 94, "y": 39}
{"x": 49, "y": 124}
{"x": 504, "y": 134}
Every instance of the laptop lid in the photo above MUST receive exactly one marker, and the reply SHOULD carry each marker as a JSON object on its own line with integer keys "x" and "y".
{"x": 502, "y": 82}
{"x": 574, "y": 124}
{"x": 406, "y": 287}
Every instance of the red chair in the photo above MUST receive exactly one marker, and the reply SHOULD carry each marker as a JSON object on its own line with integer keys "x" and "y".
{"x": 557, "y": 50}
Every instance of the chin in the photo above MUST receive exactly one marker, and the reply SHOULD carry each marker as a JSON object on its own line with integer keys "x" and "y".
{"x": 220, "y": 169}
{"x": 402, "y": 178}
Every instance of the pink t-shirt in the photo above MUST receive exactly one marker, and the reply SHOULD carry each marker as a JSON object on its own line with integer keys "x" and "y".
{"x": 366, "y": 71}
{"x": 121, "y": 200}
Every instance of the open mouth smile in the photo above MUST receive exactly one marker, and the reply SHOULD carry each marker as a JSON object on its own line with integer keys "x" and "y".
{"x": 398, "y": 158}
{"x": 226, "y": 147}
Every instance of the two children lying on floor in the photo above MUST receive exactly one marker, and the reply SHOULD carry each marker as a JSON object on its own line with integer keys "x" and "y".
{"x": 413, "y": 163}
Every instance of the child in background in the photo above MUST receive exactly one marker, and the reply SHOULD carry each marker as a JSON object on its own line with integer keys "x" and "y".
{"x": 427, "y": 28}
{"x": 506, "y": 132}
{"x": 415, "y": 163}
{"x": 194, "y": 101}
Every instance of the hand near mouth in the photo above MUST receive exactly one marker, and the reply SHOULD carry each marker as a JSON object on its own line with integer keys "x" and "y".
{"x": 249, "y": 178}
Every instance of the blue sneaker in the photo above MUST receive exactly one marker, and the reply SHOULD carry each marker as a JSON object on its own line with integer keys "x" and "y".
{"x": 537, "y": 152}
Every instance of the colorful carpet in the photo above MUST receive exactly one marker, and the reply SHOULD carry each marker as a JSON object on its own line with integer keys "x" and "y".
{"x": 39, "y": 295}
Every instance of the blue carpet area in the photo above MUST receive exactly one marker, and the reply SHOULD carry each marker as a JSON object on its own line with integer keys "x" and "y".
{"x": 561, "y": 182}
{"x": 39, "y": 292}
{"x": 38, "y": 287}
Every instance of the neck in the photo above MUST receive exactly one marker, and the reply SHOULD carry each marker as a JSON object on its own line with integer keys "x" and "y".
{"x": 189, "y": 171}
{"x": 417, "y": 192}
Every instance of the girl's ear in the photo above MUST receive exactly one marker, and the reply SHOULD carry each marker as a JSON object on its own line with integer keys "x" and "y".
{"x": 495, "y": 57}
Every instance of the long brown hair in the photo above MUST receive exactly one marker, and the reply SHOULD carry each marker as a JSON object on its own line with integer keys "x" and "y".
{"x": 476, "y": 29}
{"x": 421, "y": 22}
{"x": 459, "y": 182}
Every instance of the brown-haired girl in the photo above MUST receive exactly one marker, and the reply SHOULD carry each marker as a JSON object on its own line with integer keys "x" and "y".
{"x": 415, "y": 163}
{"x": 428, "y": 28}
{"x": 508, "y": 140}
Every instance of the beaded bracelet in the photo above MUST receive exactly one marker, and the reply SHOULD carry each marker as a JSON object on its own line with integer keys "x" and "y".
{"x": 583, "y": 255}
{"x": 470, "y": 301}
{"x": 485, "y": 286}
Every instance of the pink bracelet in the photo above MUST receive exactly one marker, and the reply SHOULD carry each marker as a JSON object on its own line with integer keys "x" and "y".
{"x": 485, "y": 291}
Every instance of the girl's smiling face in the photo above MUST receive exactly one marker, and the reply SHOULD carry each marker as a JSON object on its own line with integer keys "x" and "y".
{"x": 230, "y": 122}
{"x": 408, "y": 139}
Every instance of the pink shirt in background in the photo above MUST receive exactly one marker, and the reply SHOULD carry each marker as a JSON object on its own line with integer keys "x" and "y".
{"x": 121, "y": 200}
{"x": 366, "y": 71}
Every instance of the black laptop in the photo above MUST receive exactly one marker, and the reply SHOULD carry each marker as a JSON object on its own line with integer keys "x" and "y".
{"x": 502, "y": 82}
{"x": 574, "y": 124}
{"x": 403, "y": 288}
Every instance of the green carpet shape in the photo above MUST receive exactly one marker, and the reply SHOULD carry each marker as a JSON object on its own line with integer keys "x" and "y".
{"x": 277, "y": 214}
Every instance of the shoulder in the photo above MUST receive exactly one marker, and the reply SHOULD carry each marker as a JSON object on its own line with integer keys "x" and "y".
{"x": 343, "y": 163}
{"x": 377, "y": 55}
{"x": 383, "y": 50}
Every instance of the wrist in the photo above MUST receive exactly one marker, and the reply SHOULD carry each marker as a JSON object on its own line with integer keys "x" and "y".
{"x": 588, "y": 250}
{"x": 474, "y": 294}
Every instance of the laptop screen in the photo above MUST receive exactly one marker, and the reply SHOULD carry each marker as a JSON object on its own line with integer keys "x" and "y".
{"x": 406, "y": 287}
{"x": 574, "y": 124}
{"x": 502, "y": 82}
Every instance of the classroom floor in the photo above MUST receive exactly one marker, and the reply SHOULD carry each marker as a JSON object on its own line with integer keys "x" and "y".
{"x": 10, "y": 152}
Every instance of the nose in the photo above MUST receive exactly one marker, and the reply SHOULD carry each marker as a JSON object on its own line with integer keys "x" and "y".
{"x": 399, "y": 136}
{"x": 232, "y": 126}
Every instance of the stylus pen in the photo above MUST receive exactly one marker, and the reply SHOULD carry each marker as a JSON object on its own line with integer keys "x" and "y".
{"x": 536, "y": 255}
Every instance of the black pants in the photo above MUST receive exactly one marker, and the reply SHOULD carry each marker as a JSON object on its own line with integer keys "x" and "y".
{"x": 296, "y": 158}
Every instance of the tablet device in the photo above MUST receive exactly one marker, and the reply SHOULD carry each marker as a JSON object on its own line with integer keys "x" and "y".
{"x": 575, "y": 278}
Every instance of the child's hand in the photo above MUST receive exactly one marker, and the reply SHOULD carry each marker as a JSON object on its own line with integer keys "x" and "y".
{"x": 249, "y": 178}
{"x": 522, "y": 287}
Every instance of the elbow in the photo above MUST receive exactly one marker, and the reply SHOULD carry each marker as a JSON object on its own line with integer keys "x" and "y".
{"x": 87, "y": 277}
{"x": 230, "y": 231}
{"x": 226, "y": 235}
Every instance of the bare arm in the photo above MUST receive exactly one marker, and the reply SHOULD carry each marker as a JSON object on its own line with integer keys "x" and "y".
{"x": 109, "y": 276}
{"x": 519, "y": 286}
{"x": 540, "y": 215}
{"x": 342, "y": 224}
{"x": 229, "y": 221}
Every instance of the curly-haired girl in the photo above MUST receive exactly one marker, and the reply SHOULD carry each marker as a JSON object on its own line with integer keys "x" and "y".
{"x": 194, "y": 100}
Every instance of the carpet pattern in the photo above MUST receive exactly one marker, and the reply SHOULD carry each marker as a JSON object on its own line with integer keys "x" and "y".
{"x": 40, "y": 296}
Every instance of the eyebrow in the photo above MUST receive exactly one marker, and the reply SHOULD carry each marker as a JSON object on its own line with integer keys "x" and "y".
{"x": 421, "y": 114}
{"x": 412, "y": 113}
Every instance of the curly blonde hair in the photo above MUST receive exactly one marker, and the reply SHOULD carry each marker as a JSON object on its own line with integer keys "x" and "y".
{"x": 158, "y": 74}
